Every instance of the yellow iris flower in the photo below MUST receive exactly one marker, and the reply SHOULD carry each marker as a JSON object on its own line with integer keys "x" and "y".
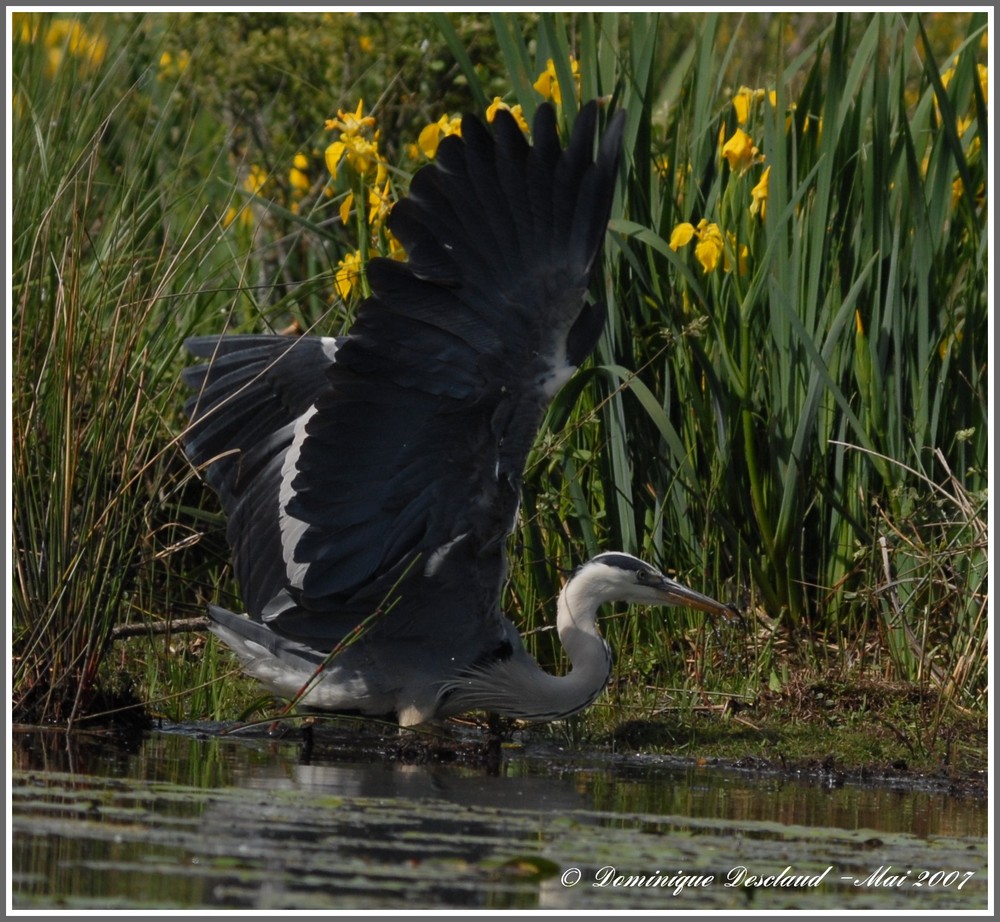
{"x": 351, "y": 123}
{"x": 759, "y": 194}
{"x": 681, "y": 235}
{"x": 297, "y": 177}
{"x": 63, "y": 35}
{"x": 348, "y": 273}
{"x": 380, "y": 199}
{"x": 709, "y": 248}
{"x": 740, "y": 152}
{"x": 360, "y": 153}
{"x": 498, "y": 104}
{"x": 172, "y": 67}
{"x": 742, "y": 255}
{"x": 548, "y": 83}
{"x": 254, "y": 182}
{"x": 430, "y": 137}
{"x": 744, "y": 99}
{"x": 354, "y": 145}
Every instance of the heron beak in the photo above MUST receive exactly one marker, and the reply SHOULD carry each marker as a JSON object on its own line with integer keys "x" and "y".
{"x": 679, "y": 594}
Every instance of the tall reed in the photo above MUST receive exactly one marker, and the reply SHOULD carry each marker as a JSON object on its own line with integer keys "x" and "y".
{"x": 109, "y": 265}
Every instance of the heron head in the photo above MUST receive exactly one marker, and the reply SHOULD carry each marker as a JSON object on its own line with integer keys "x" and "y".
{"x": 624, "y": 578}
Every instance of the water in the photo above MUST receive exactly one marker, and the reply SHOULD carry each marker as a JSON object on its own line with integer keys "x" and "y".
{"x": 190, "y": 819}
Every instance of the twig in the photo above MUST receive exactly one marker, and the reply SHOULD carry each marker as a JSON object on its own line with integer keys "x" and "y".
{"x": 175, "y": 626}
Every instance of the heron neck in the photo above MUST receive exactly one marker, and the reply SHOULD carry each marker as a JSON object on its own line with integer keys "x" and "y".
{"x": 588, "y": 653}
{"x": 519, "y": 687}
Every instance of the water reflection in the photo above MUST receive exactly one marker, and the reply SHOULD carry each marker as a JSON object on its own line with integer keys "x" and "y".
{"x": 191, "y": 818}
{"x": 533, "y": 776}
{"x": 709, "y": 792}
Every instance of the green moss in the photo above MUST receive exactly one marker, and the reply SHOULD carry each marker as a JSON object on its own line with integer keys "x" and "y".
{"x": 819, "y": 724}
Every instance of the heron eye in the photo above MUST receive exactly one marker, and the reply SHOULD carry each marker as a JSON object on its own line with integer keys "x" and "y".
{"x": 642, "y": 576}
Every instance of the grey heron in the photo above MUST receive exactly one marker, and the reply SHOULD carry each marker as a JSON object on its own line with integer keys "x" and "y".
{"x": 372, "y": 479}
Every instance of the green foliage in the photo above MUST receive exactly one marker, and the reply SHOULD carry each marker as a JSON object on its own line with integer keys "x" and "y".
{"x": 788, "y": 406}
{"x": 104, "y": 252}
{"x": 274, "y": 78}
{"x": 765, "y": 419}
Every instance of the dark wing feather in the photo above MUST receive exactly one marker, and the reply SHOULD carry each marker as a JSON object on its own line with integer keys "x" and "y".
{"x": 462, "y": 403}
{"x": 416, "y": 437}
{"x": 247, "y": 398}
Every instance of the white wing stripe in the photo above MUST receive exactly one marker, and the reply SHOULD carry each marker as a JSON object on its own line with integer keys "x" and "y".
{"x": 293, "y": 528}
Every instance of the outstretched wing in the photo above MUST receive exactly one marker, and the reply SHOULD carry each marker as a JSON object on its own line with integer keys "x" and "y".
{"x": 413, "y": 448}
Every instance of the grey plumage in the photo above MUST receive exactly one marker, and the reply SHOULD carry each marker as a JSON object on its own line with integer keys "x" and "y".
{"x": 383, "y": 470}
